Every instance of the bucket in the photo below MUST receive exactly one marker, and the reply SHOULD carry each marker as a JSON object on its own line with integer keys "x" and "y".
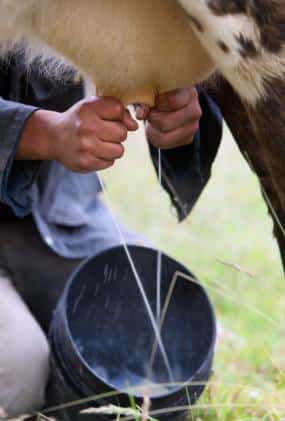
{"x": 103, "y": 343}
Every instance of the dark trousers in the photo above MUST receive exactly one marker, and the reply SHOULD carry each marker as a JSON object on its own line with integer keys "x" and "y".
{"x": 38, "y": 274}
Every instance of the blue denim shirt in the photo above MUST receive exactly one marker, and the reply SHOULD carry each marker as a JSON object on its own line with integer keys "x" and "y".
{"x": 66, "y": 206}
{"x": 16, "y": 177}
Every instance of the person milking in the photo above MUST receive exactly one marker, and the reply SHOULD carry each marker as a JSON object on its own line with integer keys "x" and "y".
{"x": 53, "y": 140}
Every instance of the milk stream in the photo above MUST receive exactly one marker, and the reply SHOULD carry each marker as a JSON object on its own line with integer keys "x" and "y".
{"x": 159, "y": 256}
{"x": 138, "y": 281}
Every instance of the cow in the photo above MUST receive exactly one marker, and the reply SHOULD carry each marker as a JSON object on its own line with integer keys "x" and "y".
{"x": 134, "y": 38}
{"x": 246, "y": 39}
{"x": 153, "y": 46}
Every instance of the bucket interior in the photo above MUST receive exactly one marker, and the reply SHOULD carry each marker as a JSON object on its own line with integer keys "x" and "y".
{"x": 111, "y": 328}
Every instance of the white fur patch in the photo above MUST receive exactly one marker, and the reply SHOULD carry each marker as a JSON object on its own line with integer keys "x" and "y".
{"x": 247, "y": 75}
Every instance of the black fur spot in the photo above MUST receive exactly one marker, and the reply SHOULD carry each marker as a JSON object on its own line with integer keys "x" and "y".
{"x": 247, "y": 47}
{"x": 225, "y": 7}
{"x": 270, "y": 18}
{"x": 223, "y": 46}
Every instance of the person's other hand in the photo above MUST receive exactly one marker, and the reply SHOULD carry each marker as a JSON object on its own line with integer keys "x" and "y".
{"x": 87, "y": 137}
{"x": 174, "y": 120}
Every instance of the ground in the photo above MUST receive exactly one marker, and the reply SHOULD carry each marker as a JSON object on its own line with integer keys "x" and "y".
{"x": 230, "y": 224}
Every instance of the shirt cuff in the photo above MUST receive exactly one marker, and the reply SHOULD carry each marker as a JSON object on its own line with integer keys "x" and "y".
{"x": 17, "y": 177}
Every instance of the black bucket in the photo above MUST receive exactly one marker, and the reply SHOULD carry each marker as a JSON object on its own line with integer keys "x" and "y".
{"x": 102, "y": 339}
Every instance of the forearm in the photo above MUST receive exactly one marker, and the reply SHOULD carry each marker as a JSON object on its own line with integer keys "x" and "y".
{"x": 16, "y": 178}
{"x": 38, "y": 138}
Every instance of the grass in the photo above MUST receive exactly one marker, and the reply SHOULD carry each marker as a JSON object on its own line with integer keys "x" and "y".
{"x": 228, "y": 244}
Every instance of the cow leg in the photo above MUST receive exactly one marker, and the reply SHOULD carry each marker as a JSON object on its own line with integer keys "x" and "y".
{"x": 279, "y": 234}
{"x": 267, "y": 161}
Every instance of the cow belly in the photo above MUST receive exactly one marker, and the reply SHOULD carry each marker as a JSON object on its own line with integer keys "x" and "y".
{"x": 132, "y": 49}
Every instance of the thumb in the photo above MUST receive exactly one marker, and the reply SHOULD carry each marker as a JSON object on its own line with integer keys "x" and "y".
{"x": 142, "y": 111}
{"x": 129, "y": 122}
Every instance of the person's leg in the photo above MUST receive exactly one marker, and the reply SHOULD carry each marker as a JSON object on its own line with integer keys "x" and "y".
{"x": 38, "y": 274}
{"x": 24, "y": 354}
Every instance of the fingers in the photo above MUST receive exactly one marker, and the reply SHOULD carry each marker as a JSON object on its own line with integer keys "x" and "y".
{"x": 109, "y": 109}
{"x": 175, "y": 100}
{"x": 109, "y": 151}
{"x": 107, "y": 117}
{"x": 167, "y": 121}
{"x": 129, "y": 122}
{"x": 175, "y": 119}
{"x": 92, "y": 164}
{"x": 103, "y": 165}
{"x": 106, "y": 108}
{"x": 91, "y": 132}
{"x": 101, "y": 149}
{"x": 98, "y": 155}
{"x": 108, "y": 131}
{"x": 178, "y": 137}
{"x": 142, "y": 111}
{"x": 103, "y": 125}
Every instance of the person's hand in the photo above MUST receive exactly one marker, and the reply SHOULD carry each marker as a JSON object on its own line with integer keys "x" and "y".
{"x": 87, "y": 137}
{"x": 174, "y": 120}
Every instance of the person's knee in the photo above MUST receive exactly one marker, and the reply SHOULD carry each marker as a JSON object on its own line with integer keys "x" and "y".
{"x": 34, "y": 371}
{"x": 23, "y": 379}
{"x": 24, "y": 359}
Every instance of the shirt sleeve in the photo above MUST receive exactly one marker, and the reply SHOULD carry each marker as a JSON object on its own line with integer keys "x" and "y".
{"x": 187, "y": 169}
{"x": 16, "y": 177}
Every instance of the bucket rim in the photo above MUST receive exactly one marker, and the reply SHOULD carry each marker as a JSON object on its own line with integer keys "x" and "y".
{"x": 202, "y": 370}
